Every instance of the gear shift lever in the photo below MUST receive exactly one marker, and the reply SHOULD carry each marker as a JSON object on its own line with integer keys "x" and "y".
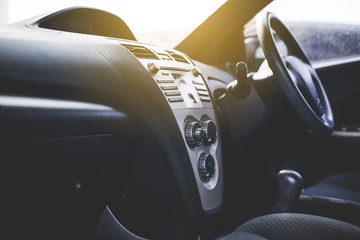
{"x": 290, "y": 185}
{"x": 241, "y": 87}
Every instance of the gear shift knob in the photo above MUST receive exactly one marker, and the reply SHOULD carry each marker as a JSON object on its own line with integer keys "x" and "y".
{"x": 290, "y": 185}
{"x": 241, "y": 87}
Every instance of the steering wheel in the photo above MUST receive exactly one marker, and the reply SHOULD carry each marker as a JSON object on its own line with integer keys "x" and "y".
{"x": 295, "y": 74}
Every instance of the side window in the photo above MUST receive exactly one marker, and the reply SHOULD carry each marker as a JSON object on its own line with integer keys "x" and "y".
{"x": 326, "y": 29}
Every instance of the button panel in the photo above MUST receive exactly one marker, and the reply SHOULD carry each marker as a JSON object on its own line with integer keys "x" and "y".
{"x": 182, "y": 87}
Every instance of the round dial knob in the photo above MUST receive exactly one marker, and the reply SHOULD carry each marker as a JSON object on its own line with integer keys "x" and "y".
{"x": 206, "y": 167}
{"x": 193, "y": 134}
{"x": 209, "y": 129}
{"x": 196, "y": 71}
{"x": 154, "y": 68}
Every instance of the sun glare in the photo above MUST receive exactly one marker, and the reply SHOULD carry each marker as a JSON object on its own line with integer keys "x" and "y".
{"x": 140, "y": 15}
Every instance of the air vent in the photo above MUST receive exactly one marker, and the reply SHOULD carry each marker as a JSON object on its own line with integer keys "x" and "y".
{"x": 177, "y": 57}
{"x": 165, "y": 57}
{"x": 141, "y": 52}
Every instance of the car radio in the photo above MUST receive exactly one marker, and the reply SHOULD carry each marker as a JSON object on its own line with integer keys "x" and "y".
{"x": 184, "y": 88}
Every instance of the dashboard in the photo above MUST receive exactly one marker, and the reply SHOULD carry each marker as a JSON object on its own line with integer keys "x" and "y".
{"x": 57, "y": 59}
{"x": 105, "y": 136}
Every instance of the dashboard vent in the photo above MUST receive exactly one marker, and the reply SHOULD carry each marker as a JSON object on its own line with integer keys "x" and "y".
{"x": 165, "y": 57}
{"x": 140, "y": 51}
{"x": 177, "y": 57}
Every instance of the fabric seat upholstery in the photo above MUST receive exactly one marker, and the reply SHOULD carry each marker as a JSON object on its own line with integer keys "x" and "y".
{"x": 337, "y": 197}
{"x": 285, "y": 226}
{"x": 344, "y": 186}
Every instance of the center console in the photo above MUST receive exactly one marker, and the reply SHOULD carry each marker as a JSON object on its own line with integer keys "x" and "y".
{"x": 186, "y": 92}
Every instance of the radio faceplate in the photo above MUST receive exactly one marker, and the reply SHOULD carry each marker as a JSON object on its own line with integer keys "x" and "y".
{"x": 186, "y": 92}
{"x": 182, "y": 88}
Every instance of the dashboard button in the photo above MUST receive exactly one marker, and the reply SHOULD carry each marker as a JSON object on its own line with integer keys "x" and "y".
{"x": 205, "y": 99}
{"x": 176, "y": 99}
{"x": 203, "y": 94}
{"x": 174, "y": 93}
{"x": 165, "y": 80}
{"x": 197, "y": 82}
{"x": 169, "y": 87}
{"x": 201, "y": 89}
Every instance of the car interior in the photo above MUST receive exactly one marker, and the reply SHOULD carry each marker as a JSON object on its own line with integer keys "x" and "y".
{"x": 106, "y": 137}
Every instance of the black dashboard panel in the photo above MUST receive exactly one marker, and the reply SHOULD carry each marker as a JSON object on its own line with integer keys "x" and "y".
{"x": 39, "y": 62}
{"x": 54, "y": 153}
{"x": 121, "y": 85}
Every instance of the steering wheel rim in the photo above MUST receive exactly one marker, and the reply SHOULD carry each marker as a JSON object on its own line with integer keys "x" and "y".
{"x": 295, "y": 74}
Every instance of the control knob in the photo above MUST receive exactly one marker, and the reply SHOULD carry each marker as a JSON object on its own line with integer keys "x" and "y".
{"x": 154, "y": 68}
{"x": 209, "y": 129}
{"x": 193, "y": 134}
{"x": 206, "y": 167}
{"x": 196, "y": 71}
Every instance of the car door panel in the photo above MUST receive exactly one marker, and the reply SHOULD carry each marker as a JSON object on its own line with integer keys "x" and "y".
{"x": 340, "y": 151}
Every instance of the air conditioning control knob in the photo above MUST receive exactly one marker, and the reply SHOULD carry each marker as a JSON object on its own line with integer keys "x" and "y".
{"x": 196, "y": 71}
{"x": 206, "y": 167}
{"x": 154, "y": 68}
{"x": 209, "y": 129}
{"x": 193, "y": 134}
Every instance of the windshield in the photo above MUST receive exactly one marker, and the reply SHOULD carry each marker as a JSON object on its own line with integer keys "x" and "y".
{"x": 159, "y": 22}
